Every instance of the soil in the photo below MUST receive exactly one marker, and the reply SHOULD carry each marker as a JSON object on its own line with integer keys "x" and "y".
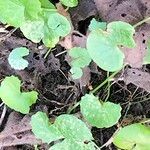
{"x": 51, "y": 76}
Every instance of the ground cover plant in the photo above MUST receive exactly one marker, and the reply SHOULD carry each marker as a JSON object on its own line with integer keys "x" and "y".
{"x": 75, "y": 74}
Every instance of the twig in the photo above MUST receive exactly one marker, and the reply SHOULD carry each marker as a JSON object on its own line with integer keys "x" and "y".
{"x": 3, "y": 115}
{"x": 141, "y": 22}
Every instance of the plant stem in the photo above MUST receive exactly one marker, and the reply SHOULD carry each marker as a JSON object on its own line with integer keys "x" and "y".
{"x": 47, "y": 53}
{"x": 71, "y": 109}
{"x": 141, "y": 22}
{"x": 104, "y": 82}
{"x": 108, "y": 88}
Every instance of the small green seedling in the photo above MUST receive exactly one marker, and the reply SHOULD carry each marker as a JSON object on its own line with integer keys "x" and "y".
{"x": 133, "y": 137}
{"x": 38, "y": 20}
{"x": 103, "y": 47}
{"x": 15, "y": 58}
{"x": 72, "y": 132}
{"x": 98, "y": 113}
{"x": 12, "y": 96}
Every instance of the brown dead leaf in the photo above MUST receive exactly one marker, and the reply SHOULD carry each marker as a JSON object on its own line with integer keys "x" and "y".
{"x": 130, "y": 11}
{"x": 134, "y": 57}
{"x": 17, "y": 131}
{"x": 139, "y": 78}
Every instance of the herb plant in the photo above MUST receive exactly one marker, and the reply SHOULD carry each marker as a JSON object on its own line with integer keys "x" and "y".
{"x": 12, "y": 96}
{"x": 39, "y": 20}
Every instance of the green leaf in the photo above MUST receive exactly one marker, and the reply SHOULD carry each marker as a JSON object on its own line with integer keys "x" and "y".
{"x": 80, "y": 57}
{"x": 73, "y": 128}
{"x": 50, "y": 38}
{"x": 17, "y": 100}
{"x": 99, "y": 114}
{"x": 15, "y": 58}
{"x": 59, "y": 24}
{"x": 95, "y": 25}
{"x": 121, "y": 33}
{"x": 103, "y": 45}
{"x": 72, "y": 145}
{"x": 135, "y": 137}
{"x": 32, "y": 8}
{"x": 76, "y": 72}
{"x": 12, "y": 12}
{"x": 47, "y": 4}
{"x": 33, "y": 30}
{"x": 104, "y": 52}
{"x": 43, "y": 129}
{"x": 147, "y": 57}
{"x": 69, "y": 3}
{"x": 73, "y": 131}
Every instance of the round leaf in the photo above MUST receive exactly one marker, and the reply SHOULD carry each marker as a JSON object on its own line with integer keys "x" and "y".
{"x": 15, "y": 58}
{"x": 69, "y": 3}
{"x": 33, "y": 30}
{"x": 104, "y": 52}
{"x": 59, "y": 24}
{"x": 99, "y": 114}
{"x": 43, "y": 129}
{"x": 135, "y": 136}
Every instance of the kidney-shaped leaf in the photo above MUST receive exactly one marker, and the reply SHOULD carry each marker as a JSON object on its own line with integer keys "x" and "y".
{"x": 15, "y": 58}
{"x": 43, "y": 129}
{"x": 103, "y": 45}
{"x": 12, "y": 96}
{"x": 135, "y": 137}
{"x": 104, "y": 52}
{"x": 99, "y": 114}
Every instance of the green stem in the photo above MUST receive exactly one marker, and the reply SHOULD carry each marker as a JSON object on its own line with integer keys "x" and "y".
{"x": 71, "y": 109}
{"x": 108, "y": 88}
{"x": 141, "y": 22}
{"x": 47, "y": 53}
{"x": 103, "y": 83}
